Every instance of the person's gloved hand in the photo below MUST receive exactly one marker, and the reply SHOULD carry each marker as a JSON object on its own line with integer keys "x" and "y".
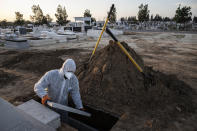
{"x": 45, "y": 99}
{"x": 82, "y": 109}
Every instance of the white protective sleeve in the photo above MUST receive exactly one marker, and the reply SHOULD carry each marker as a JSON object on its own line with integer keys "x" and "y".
{"x": 41, "y": 85}
{"x": 75, "y": 93}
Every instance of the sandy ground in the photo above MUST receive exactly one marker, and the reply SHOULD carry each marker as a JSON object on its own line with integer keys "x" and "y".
{"x": 171, "y": 53}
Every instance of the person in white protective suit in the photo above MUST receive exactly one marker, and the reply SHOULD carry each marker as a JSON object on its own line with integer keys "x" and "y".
{"x": 59, "y": 83}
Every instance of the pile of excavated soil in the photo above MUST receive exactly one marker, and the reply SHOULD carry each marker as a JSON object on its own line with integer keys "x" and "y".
{"x": 5, "y": 78}
{"x": 112, "y": 82}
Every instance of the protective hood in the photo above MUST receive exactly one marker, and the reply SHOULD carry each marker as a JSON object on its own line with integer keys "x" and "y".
{"x": 68, "y": 68}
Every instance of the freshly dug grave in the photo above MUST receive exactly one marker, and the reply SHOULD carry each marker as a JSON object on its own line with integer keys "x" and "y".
{"x": 38, "y": 61}
{"x": 5, "y": 78}
{"x": 110, "y": 81}
{"x": 25, "y": 69}
{"x": 32, "y": 62}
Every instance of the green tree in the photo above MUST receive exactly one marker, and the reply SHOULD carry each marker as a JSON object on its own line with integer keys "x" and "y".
{"x": 123, "y": 19}
{"x": 44, "y": 20}
{"x": 112, "y": 18}
{"x": 132, "y": 19}
{"x": 4, "y": 23}
{"x": 28, "y": 22}
{"x": 143, "y": 13}
{"x": 61, "y": 15}
{"x": 93, "y": 19}
{"x": 87, "y": 13}
{"x": 152, "y": 18}
{"x": 157, "y": 18}
{"x": 195, "y": 19}
{"x": 38, "y": 17}
{"x": 166, "y": 19}
{"x": 49, "y": 19}
{"x": 19, "y": 19}
{"x": 183, "y": 14}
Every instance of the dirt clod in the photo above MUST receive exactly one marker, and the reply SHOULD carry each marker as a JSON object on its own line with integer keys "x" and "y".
{"x": 5, "y": 78}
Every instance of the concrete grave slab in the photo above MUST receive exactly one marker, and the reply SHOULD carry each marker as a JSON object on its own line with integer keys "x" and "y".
{"x": 13, "y": 119}
{"x": 41, "y": 113}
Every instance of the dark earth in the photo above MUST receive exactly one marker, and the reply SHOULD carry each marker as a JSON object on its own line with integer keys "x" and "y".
{"x": 110, "y": 81}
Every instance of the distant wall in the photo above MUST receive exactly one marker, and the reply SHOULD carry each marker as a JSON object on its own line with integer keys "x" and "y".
{"x": 96, "y": 33}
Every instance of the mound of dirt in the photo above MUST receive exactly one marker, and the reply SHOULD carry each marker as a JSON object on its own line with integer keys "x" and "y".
{"x": 34, "y": 62}
{"x": 5, "y": 78}
{"x": 112, "y": 82}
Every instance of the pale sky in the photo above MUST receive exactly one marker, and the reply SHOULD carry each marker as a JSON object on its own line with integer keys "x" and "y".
{"x": 98, "y": 8}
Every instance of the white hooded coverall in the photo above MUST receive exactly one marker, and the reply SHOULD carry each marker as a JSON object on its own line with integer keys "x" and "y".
{"x": 58, "y": 87}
